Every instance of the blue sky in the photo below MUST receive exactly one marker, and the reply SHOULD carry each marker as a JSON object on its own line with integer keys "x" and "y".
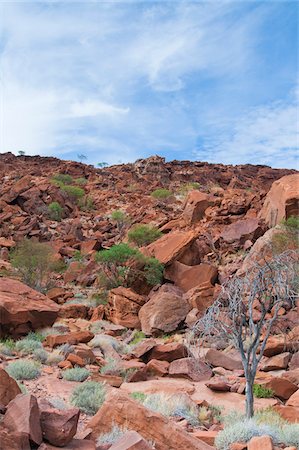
{"x": 213, "y": 81}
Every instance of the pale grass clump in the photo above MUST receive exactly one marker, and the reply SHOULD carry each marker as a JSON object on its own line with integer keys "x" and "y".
{"x": 27, "y": 346}
{"x": 76, "y": 374}
{"x": 112, "y": 436}
{"x": 54, "y": 358}
{"x": 23, "y": 369}
{"x": 89, "y": 396}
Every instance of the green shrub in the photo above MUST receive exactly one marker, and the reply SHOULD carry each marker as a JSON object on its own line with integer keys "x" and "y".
{"x": 81, "y": 181}
{"x": 61, "y": 178}
{"x": 54, "y": 358}
{"x": 89, "y": 396}
{"x": 76, "y": 374}
{"x": 260, "y": 391}
{"x": 77, "y": 256}
{"x": 23, "y": 370}
{"x": 120, "y": 218}
{"x": 34, "y": 261}
{"x": 27, "y": 346}
{"x": 287, "y": 237}
{"x": 58, "y": 403}
{"x": 138, "y": 336}
{"x": 292, "y": 222}
{"x": 123, "y": 265}
{"x": 111, "y": 368}
{"x": 138, "y": 396}
{"x": 184, "y": 189}
{"x": 74, "y": 192}
{"x": 161, "y": 194}
{"x": 86, "y": 203}
{"x": 55, "y": 211}
{"x": 143, "y": 234}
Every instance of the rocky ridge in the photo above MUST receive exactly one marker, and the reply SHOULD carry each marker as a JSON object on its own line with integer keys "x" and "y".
{"x": 214, "y": 224}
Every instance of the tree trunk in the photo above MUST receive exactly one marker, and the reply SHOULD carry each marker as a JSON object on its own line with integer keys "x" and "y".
{"x": 249, "y": 398}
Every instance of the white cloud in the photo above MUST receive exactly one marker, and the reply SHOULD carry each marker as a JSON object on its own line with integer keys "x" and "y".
{"x": 90, "y": 108}
{"x": 264, "y": 135}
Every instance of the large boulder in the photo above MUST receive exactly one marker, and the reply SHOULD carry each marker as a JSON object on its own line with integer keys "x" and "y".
{"x": 282, "y": 201}
{"x": 188, "y": 277}
{"x": 171, "y": 246}
{"x": 9, "y": 388}
{"x": 13, "y": 440}
{"x": 241, "y": 231}
{"x": 23, "y": 309}
{"x": 119, "y": 409}
{"x": 74, "y": 338}
{"x": 23, "y": 416}
{"x": 195, "y": 206}
{"x": 220, "y": 359}
{"x": 165, "y": 310}
{"x": 58, "y": 426}
{"x": 123, "y": 307}
{"x": 190, "y": 368}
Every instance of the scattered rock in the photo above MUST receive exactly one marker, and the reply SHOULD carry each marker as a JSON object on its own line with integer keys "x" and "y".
{"x": 9, "y": 388}
{"x": 23, "y": 416}
{"x": 23, "y": 309}
{"x": 165, "y": 310}
{"x": 190, "y": 368}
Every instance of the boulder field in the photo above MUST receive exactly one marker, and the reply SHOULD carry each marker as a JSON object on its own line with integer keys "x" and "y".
{"x": 128, "y": 344}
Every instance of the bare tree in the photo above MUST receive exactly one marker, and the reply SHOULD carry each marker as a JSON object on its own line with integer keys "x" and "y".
{"x": 246, "y": 310}
{"x": 81, "y": 157}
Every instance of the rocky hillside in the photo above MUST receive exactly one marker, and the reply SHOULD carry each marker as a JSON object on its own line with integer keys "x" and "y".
{"x": 98, "y": 340}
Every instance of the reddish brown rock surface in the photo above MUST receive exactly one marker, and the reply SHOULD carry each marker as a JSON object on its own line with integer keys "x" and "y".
{"x": 9, "y": 388}
{"x": 164, "y": 311}
{"x": 282, "y": 201}
{"x": 23, "y": 309}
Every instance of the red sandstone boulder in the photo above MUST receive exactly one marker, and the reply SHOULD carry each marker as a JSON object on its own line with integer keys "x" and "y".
{"x": 123, "y": 307}
{"x": 220, "y": 359}
{"x": 9, "y": 388}
{"x": 294, "y": 400}
{"x": 73, "y": 311}
{"x": 219, "y": 385}
{"x": 156, "y": 367}
{"x": 23, "y": 309}
{"x": 190, "y": 368}
{"x": 171, "y": 246}
{"x": 260, "y": 443}
{"x": 200, "y": 298}
{"x": 131, "y": 440}
{"x": 188, "y": 277}
{"x": 294, "y": 363}
{"x": 23, "y": 416}
{"x": 13, "y": 440}
{"x": 168, "y": 352}
{"x": 75, "y": 444}
{"x": 165, "y": 310}
{"x": 282, "y": 201}
{"x": 119, "y": 409}
{"x": 58, "y": 426}
{"x": 53, "y": 340}
{"x": 195, "y": 206}
{"x": 276, "y": 362}
{"x": 241, "y": 231}
{"x": 281, "y": 387}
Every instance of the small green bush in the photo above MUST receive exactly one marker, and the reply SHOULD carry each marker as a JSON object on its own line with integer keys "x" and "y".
{"x": 55, "y": 211}
{"x": 260, "y": 391}
{"x": 184, "y": 189}
{"x": 81, "y": 181}
{"x": 74, "y": 192}
{"x": 111, "y": 368}
{"x": 23, "y": 370}
{"x": 54, "y": 358}
{"x": 86, "y": 203}
{"x": 138, "y": 336}
{"x": 33, "y": 260}
{"x": 61, "y": 178}
{"x": 161, "y": 194}
{"x": 138, "y": 396}
{"x": 89, "y": 396}
{"x": 292, "y": 222}
{"x": 77, "y": 256}
{"x": 143, "y": 234}
{"x": 76, "y": 374}
{"x": 123, "y": 265}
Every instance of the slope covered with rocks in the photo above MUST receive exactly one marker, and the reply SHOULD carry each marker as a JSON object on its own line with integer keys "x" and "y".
{"x": 107, "y": 347}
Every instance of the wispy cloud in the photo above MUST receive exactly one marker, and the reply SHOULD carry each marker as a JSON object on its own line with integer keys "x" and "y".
{"x": 122, "y": 80}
